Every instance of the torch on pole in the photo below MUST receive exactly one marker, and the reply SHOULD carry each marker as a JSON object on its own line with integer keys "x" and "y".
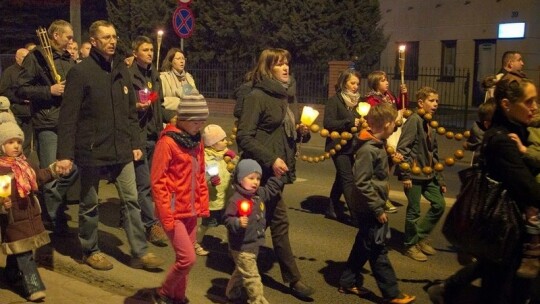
{"x": 402, "y": 72}
{"x": 159, "y": 39}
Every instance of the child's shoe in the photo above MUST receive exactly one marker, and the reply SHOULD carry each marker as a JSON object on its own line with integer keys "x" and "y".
{"x": 530, "y": 265}
{"x": 401, "y": 299}
{"x": 199, "y": 250}
{"x": 36, "y": 296}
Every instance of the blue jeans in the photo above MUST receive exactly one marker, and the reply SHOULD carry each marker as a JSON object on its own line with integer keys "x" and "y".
{"x": 55, "y": 191}
{"x": 365, "y": 249}
{"x": 123, "y": 176}
{"x": 142, "y": 176}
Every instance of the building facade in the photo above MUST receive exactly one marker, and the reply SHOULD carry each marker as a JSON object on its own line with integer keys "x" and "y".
{"x": 461, "y": 34}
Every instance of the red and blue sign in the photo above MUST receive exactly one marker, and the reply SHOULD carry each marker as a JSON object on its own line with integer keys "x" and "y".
{"x": 183, "y": 22}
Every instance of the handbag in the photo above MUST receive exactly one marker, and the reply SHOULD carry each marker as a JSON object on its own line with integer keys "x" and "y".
{"x": 484, "y": 221}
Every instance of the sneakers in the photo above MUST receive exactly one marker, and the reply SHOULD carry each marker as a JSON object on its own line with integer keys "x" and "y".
{"x": 389, "y": 207}
{"x": 436, "y": 293}
{"x": 199, "y": 250}
{"x": 301, "y": 290}
{"x": 157, "y": 298}
{"x": 98, "y": 261}
{"x": 401, "y": 299}
{"x": 36, "y": 296}
{"x": 156, "y": 235}
{"x": 147, "y": 261}
{"x": 425, "y": 247}
{"x": 359, "y": 291}
{"x": 416, "y": 254}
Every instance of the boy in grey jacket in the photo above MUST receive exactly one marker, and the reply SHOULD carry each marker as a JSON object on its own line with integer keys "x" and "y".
{"x": 418, "y": 146}
{"x": 371, "y": 173}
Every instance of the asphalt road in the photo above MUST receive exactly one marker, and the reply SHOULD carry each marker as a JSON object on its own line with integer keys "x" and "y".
{"x": 321, "y": 246}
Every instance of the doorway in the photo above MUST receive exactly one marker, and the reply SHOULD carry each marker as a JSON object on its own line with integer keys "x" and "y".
{"x": 484, "y": 65}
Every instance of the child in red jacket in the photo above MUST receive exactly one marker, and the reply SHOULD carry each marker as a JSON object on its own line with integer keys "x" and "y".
{"x": 180, "y": 191}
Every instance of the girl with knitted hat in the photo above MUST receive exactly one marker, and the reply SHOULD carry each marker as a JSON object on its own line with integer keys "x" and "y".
{"x": 20, "y": 213}
{"x": 219, "y": 161}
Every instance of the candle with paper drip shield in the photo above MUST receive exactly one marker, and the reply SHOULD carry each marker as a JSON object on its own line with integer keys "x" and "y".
{"x": 245, "y": 207}
{"x": 5, "y": 186}
{"x": 212, "y": 169}
{"x": 309, "y": 115}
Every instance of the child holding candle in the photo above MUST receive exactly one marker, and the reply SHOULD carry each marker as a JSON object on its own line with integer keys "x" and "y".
{"x": 219, "y": 161}
{"x": 371, "y": 175}
{"x": 20, "y": 213}
{"x": 246, "y": 224}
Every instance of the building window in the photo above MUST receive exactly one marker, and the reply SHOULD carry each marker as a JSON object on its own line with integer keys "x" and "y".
{"x": 448, "y": 60}
{"x": 412, "y": 49}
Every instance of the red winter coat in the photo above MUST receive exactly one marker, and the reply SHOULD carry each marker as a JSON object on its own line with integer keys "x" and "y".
{"x": 178, "y": 180}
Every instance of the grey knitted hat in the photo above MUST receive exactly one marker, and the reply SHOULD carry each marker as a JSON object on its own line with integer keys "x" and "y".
{"x": 10, "y": 130}
{"x": 245, "y": 167}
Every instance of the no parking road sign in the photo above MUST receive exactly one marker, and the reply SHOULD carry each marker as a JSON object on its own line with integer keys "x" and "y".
{"x": 183, "y": 22}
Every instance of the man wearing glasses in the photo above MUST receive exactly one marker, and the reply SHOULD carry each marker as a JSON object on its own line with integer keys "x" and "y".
{"x": 98, "y": 131}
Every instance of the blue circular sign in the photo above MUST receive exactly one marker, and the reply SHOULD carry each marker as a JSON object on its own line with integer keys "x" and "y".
{"x": 183, "y": 22}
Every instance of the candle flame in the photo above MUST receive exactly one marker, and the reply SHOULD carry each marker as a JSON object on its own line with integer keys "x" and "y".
{"x": 402, "y": 48}
{"x": 160, "y": 33}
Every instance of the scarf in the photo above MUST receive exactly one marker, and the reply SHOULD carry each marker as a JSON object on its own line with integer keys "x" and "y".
{"x": 213, "y": 153}
{"x": 289, "y": 122}
{"x": 180, "y": 75}
{"x": 185, "y": 140}
{"x": 351, "y": 99}
{"x": 25, "y": 177}
{"x": 386, "y": 97}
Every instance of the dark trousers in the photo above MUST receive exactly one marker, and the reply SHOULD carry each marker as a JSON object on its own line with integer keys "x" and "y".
{"x": 278, "y": 221}
{"x": 366, "y": 249}
{"x": 343, "y": 182}
{"x": 21, "y": 272}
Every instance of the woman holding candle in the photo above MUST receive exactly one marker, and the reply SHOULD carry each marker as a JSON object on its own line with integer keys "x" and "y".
{"x": 20, "y": 213}
{"x": 175, "y": 80}
{"x": 340, "y": 115}
{"x": 267, "y": 133}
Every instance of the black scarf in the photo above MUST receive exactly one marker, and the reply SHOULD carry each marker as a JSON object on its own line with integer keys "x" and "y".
{"x": 185, "y": 140}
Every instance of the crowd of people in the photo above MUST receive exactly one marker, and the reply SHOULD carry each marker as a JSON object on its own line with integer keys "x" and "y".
{"x": 95, "y": 115}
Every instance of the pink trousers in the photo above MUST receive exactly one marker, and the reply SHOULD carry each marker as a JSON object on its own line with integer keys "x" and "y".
{"x": 182, "y": 239}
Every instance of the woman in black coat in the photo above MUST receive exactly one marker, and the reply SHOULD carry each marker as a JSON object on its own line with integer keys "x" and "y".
{"x": 516, "y": 103}
{"x": 267, "y": 133}
{"x": 340, "y": 115}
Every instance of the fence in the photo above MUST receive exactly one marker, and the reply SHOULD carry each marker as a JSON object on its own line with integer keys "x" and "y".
{"x": 453, "y": 112}
{"x": 220, "y": 81}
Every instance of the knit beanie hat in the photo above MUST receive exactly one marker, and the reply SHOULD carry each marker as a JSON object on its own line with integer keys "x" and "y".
{"x": 10, "y": 130}
{"x": 212, "y": 134}
{"x": 4, "y": 103}
{"x": 245, "y": 167}
{"x": 192, "y": 107}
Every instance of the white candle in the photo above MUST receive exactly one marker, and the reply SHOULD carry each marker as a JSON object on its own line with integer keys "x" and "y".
{"x": 5, "y": 186}
{"x": 308, "y": 116}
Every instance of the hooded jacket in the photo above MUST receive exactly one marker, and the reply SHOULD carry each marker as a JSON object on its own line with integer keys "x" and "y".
{"x": 371, "y": 175}
{"x": 178, "y": 180}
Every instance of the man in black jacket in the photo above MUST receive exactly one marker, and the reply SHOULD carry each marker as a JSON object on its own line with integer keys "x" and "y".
{"x": 98, "y": 131}
{"x": 147, "y": 86}
{"x": 19, "y": 107}
{"x": 38, "y": 84}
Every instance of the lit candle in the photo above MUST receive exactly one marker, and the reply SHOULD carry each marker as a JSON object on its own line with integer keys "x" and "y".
{"x": 308, "y": 116}
{"x": 212, "y": 170}
{"x": 5, "y": 186}
{"x": 159, "y": 39}
{"x": 402, "y": 62}
{"x": 363, "y": 108}
{"x": 244, "y": 207}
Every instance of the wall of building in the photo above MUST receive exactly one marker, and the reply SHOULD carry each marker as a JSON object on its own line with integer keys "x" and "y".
{"x": 431, "y": 21}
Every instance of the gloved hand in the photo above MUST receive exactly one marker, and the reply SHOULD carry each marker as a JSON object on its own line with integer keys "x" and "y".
{"x": 215, "y": 180}
{"x": 230, "y": 153}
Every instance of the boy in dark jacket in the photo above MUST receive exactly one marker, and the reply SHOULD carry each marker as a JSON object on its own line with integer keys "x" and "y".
{"x": 246, "y": 223}
{"x": 419, "y": 148}
{"x": 371, "y": 173}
